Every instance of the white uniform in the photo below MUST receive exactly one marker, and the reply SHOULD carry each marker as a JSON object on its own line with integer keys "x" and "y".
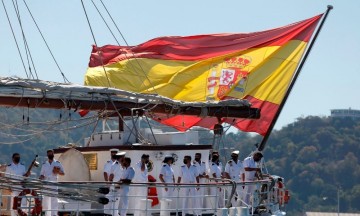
{"x": 235, "y": 170}
{"x": 188, "y": 176}
{"x": 129, "y": 174}
{"x": 50, "y": 202}
{"x": 168, "y": 174}
{"x": 113, "y": 196}
{"x": 117, "y": 170}
{"x": 16, "y": 171}
{"x": 107, "y": 167}
{"x": 201, "y": 168}
{"x": 220, "y": 165}
{"x": 216, "y": 193}
{"x": 249, "y": 176}
{"x": 140, "y": 192}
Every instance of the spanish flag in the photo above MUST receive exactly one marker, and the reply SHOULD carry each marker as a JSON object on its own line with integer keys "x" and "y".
{"x": 255, "y": 66}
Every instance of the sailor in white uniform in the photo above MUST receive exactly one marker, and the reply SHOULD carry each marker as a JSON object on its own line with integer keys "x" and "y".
{"x": 109, "y": 163}
{"x": 189, "y": 175}
{"x": 250, "y": 167}
{"x": 50, "y": 171}
{"x": 116, "y": 171}
{"x": 202, "y": 170}
{"x": 108, "y": 208}
{"x": 126, "y": 178}
{"x": 167, "y": 177}
{"x": 217, "y": 200}
{"x": 141, "y": 176}
{"x": 16, "y": 171}
{"x": 234, "y": 170}
{"x": 219, "y": 163}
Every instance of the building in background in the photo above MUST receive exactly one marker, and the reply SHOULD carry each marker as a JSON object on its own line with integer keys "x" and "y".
{"x": 345, "y": 113}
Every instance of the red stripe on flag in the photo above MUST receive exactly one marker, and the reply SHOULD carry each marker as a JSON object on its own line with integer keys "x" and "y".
{"x": 200, "y": 47}
{"x": 260, "y": 126}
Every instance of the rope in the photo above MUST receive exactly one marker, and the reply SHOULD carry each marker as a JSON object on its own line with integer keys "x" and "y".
{"x": 88, "y": 21}
{"x": 92, "y": 33}
{"x": 17, "y": 45}
{"x": 105, "y": 22}
{"x": 27, "y": 49}
{"x": 141, "y": 68}
{"x": 52, "y": 55}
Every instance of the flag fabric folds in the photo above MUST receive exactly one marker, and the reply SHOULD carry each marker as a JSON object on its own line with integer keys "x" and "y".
{"x": 255, "y": 66}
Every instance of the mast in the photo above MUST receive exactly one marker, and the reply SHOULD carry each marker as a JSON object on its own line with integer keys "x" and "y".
{"x": 303, "y": 60}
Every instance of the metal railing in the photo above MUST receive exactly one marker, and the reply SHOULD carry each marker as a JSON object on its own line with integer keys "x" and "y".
{"x": 97, "y": 197}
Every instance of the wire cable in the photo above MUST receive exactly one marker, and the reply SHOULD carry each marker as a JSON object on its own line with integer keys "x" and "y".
{"x": 51, "y": 53}
{"x": 93, "y": 35}
{"x": 27, "y": 49}
{"x": 138, "y": 63}
{"x": 17, "y": 45}
{"x": 105, "y": 22}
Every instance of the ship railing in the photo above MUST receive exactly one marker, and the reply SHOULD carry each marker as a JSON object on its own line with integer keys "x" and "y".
{"x": 263, "y": 195}
{"x": 89, "y": 197}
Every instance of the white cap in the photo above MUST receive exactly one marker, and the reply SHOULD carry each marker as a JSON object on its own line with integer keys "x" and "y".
{"x": 235, "y": 152}
{"x": 121, "y": 153}
{"x": 114, "y": 150}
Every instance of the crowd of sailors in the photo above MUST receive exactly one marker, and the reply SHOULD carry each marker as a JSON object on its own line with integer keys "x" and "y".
{"x": 192, "y": 171}
{"x": 119, "y": 169}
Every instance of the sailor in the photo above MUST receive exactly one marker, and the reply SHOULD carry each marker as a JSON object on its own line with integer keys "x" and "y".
{"x": 251, "y": 167}
{"x": 189, "y": 175}
{"x": 126, "y": 178}
{"x": 50, "y": 171}
{"x": 167, "y": 177}
{"x": 217, "y": 200}
{"x": 16, "y": 172}
{"x": 201, "y": 168}
{"x": 116, "y": 171}
{"x": 141, "y": 176}
{"x": 109, "y": 163}
{"x": 219, "y": 163}
{"x": 234, "y": 170}
{"x": 107, "y": 171}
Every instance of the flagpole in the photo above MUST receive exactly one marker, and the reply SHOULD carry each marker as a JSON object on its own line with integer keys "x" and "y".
{"x": 303, "y": 60}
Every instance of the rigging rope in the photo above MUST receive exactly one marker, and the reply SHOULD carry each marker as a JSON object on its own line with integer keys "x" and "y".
{"x": 92, "y": 33}
{"x": 52, "y": 55}
{"x": 17, "y": 45}
{"x": 105, "y": 22}
{"x": 27, "y": 49}
{"x": 141, "y": 68}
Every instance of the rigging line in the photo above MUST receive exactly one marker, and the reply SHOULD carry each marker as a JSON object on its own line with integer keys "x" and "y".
{"x": 121, "y": 117}
{"x": 17, "y": 45}
{"x": 34, "y": 129}
{"x": 87, "y": 18}
{"x": 92, "y": 133}
{"x": 51, "y": 53}
{"x": 141, "y": 68}
{"x": 34, "y": 135}
{"x": 105, "y": 22}
{"x": 93, "y": 35}
{"x": 27, "y": 48}
{"x": 17, "y": 125}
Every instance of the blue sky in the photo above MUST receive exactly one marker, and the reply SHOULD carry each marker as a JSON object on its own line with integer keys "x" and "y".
{"x": 330, "y": 78}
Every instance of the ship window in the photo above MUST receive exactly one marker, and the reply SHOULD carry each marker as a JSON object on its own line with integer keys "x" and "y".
{"x": 91, "y": 160}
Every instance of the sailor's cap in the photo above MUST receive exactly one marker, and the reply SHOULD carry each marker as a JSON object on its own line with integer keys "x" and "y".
{"x": 168, "y": 157}
{"x": 235, "y": 152}
{"x": 121, "y": 153}
{"x": 114, "y": 150}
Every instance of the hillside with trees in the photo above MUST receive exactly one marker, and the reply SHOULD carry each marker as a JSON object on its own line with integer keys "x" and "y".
{"x": 317, "y": 156}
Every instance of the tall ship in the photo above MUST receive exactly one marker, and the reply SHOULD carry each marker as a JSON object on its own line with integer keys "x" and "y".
{"x": 182, "y": 82}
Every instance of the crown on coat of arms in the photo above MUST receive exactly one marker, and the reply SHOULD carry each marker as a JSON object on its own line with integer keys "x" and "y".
{"x": 238, "y": 62}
